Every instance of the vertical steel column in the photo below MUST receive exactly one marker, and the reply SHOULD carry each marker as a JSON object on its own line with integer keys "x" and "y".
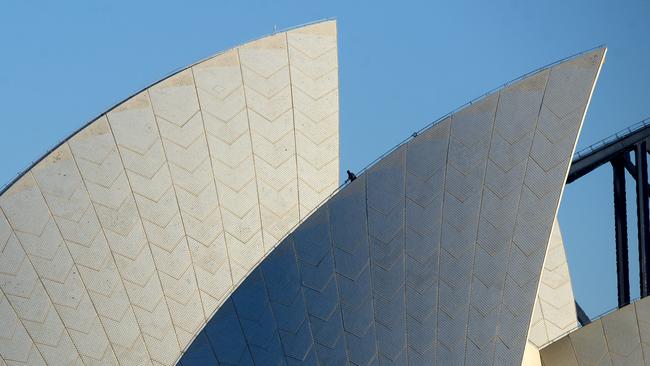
{"x": 620, "y": 225}
{"x": 642, "y": 214}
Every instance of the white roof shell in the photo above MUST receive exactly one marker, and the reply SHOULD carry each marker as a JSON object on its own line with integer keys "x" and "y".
{"x": 119, "y": 245}
{"x": 431, "y": 256}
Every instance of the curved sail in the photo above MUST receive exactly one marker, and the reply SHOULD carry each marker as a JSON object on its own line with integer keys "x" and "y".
{"x": 433, "y": 255}
{"x": 118, "y": 246}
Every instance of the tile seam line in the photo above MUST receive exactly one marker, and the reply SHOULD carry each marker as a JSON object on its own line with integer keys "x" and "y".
{"x": 297, "y": 190}
{"x": 338, "y": 112}
{"x": 178, "y": 207}
{"x": 241, "y": 328}
{"x": 270, "y": 304}
{"x": 293, "y": 121}
{"x": 40, "y": 280}
{"x": 253, "y": 158}
{"x": 373, "y": 326}
{"x": 638, "y": 329}
{"x": 373, "y": 265}
{"x": 585, "y": 109}
{"x": 478, "y": 221}
{"x": 294, "y": 252}
{"x": 146, "y": 236}
{"x": 573, "y": 350}
{"x": 575, "y": 323}
{"x": 638, "y": 332}
{"x": 497, "y": 337}
{"x": 405, "y": 349}
{"x": 207, "y": 336}
{"x": 74, "y": 263}
{"x": 223, "y": 230}
{"x": 259, "y": 210}
{"x": 584, "y": 115}
{"x": 101, "y": 227}
{"x": 609, "y": 350}
{"x": 538, "y": 300}
{"x": 22, "y": 324}
{"x": 442, "y": 220}
{"x": 539, "y": 297}
{"x": 334, "y": 276}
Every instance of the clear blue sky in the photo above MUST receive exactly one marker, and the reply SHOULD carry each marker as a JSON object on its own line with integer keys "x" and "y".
{"x": 402, "y": 64}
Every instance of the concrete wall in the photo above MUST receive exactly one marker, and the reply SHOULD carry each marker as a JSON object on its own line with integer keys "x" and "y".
{"x": 618, "y": 338}
{"x": 120, "y": 245}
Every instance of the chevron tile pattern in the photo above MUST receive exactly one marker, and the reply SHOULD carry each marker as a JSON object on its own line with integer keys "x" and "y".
{"x": 267, "y": 87}
{"x": 512, "y": 136}
{"x": 315, "y": 259}
{"x": 554, "y": 313}
{"x": 16, "y": 345}
{"x": 618, "y": 338}
{"x": 65, "y": 193}
{"x": 37, "y": 232}
{"x": 99, "y": 163}
{"x": 469, "y": 145}
{"x": 314, "y": 88}
{"x": 281, "y": 276}
{"x": 434, "y": 254}
{"x": 180, "y": 121}
{"x": 149, "y": 177}
{"x": 386, "y": 186}
{"x": 564, "y": 104}
{"x": 221, "y": 95}
{"x": 120, "y": 245}
{"x": 425, "y": 173}
{"x": 351, "y": 247}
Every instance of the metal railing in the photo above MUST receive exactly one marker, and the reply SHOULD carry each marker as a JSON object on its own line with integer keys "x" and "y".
{"x": 613, "y": 138}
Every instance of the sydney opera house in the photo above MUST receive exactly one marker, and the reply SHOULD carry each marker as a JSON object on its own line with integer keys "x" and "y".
{"x": 201, "y": 222}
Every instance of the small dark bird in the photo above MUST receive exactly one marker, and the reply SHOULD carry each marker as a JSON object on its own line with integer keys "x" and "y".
{"x": 351, "y": 176}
